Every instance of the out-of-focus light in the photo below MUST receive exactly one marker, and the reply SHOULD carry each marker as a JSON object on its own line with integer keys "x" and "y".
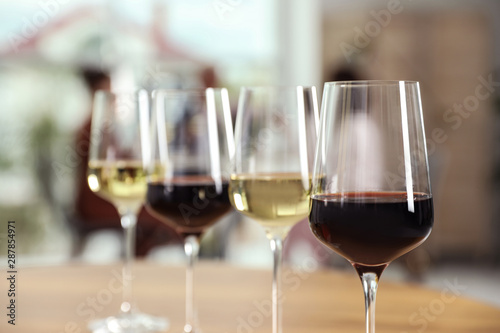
{"x": 94, "y": 183}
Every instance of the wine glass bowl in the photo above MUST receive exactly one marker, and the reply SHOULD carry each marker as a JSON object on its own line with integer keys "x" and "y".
{"x": 121, "y": 182}
{"x": 277, "y": 201}
{"x": 371, "y": 228}
{"x": 189, "y": 204}
{"x": 275, "y": 136}
{"x": 371, "y": 199}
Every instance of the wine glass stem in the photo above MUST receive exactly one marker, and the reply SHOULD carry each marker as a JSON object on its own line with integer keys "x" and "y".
{"x": 128, "y": 222}
{"x": 277, "y": 249}
{"x": 191, "y": 248}
{"x": 370, "y": 285}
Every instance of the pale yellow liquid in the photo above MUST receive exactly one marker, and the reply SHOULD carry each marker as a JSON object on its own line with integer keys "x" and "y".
{"x": 123, "y": 183}
{"x": 276, "y": 201}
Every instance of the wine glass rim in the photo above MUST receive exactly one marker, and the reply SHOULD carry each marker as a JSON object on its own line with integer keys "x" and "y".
{"x": 278, "y": 87}
{"x": 109, "y": 92}
{"x": 371, "y": 83}
{"x": 201, "y": 91}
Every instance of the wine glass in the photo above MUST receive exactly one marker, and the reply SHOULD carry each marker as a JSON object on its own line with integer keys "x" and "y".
{"x": 188, "y": 177}
{"x": 275, "y": 136}
{"x": 118, "y": 152}
{"x": 371, "y": 198}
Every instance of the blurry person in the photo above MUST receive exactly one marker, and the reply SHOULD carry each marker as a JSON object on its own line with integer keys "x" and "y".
{"x": 91, "y": 212}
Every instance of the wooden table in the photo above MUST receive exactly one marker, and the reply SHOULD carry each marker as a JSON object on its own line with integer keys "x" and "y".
{"x": 236, "y": 300}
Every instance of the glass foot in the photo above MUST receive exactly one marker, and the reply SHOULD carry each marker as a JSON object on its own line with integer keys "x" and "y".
{"x": 190, "y": 329}
{"x": 129, "y": 323}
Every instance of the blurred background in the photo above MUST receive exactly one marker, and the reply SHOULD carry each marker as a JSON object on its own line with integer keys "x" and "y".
{"x": 54, "y": 53}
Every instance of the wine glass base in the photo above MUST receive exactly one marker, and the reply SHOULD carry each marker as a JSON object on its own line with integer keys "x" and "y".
{"x": 190, "y": 329}
{"x": 129, "y": 323}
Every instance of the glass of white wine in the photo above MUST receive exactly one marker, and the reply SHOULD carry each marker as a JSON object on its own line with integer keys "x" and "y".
{"x": 118, "y": 154}
{"x": 275, "y": 139}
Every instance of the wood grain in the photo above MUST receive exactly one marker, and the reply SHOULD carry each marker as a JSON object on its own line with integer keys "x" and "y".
{"x": 237, "y": 300}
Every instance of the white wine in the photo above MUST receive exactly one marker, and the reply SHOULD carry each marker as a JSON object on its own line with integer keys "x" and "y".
{"x": 276, "y": 201}
{"x": 123, "y": 183}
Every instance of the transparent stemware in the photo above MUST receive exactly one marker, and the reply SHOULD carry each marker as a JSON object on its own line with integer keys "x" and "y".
{"x": 275, "y": 136}
{"x": 192, "y": 139}
{"x": 371, "y": 199}
{"x": 118, "y": 152}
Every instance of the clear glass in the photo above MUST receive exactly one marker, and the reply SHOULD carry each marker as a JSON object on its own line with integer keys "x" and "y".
{"x": 118, "y": 152}
{"x": 371, "y": 199}
{"x": 192, "y": 139}
{"x": 275, "y": 136}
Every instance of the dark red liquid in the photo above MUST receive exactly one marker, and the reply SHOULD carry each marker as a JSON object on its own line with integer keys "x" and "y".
{"x": 371, "y": 228}
{"x": 189, "y": 205}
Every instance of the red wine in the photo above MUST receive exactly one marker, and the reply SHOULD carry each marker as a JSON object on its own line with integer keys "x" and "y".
{"x": 371, "y": 228}
{"x": 188, "y": 204}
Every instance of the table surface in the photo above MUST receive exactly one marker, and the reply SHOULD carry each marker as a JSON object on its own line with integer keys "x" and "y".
{"x": 236, "y": 300}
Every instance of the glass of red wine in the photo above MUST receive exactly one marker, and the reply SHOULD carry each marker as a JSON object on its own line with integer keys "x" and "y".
{"x": 371, "y": 198}
{"x": 192, "y": 140}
